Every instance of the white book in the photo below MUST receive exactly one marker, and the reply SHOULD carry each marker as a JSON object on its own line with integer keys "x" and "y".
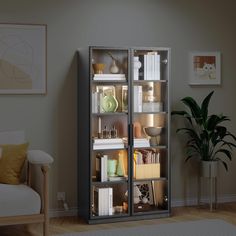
{"x": 158, "y": 67}
{"x": 104, "y": 168}
{"x": 107, "y": 140}
{"x": 109, "y": 78}
{"x": 108, "y": 146}
{"x": 110, "y": 196}
{"x": 138, "y": 98}
{"x": 98, "y": 201}
{"x": 109, "y": 75}
{"x": 145, "y": 67}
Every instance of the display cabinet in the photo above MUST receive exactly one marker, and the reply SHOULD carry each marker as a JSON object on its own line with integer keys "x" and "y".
{"x": 123, "y": 133}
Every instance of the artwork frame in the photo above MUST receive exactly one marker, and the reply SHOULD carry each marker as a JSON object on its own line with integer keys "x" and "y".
{"x": 146, "y": 189}
{"x": 204, "y": 68}
{"x": 23, "y": 58}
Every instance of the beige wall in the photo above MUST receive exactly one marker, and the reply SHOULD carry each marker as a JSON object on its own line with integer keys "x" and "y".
{"x": 50, "y": 121}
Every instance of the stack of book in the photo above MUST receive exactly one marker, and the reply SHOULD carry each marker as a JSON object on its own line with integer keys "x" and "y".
{"x": 109, "y": 77}
{"x": 103, "y": 201}
{"x": 150, "y": 69}
{"x": 138, "y": 98}
{"x": 141, "y": 142}
{"x": 108, "y": 143}
{"x": 101, "y": 167}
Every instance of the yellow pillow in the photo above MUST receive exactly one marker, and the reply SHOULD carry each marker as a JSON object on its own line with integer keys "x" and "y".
{"x": 12, "y": 158}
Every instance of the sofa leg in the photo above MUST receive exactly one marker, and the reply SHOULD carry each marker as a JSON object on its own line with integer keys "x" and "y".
{"x": 46, "y": 203}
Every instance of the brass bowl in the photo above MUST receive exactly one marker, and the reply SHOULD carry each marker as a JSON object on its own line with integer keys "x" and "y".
{"x": 98, "y": 68}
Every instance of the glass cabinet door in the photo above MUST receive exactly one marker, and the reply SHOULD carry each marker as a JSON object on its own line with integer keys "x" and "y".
{"x": 150, "y": 157}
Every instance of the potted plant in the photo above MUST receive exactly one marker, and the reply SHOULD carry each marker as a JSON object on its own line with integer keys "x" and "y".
{"x": 209, "y": 139}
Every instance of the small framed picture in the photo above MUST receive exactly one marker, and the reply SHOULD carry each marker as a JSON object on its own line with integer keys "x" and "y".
{"x": 204, "y": 68}
{"x": 146, "y": 192}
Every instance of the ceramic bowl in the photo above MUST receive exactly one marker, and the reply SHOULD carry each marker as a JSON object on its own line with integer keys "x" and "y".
{"x": 153, "y": 131}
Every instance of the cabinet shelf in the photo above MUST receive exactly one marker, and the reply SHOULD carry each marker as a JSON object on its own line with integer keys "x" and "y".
{"x": 150, "y": 179}
{"x": 110, "y": 114}
{"x": 131, "y": 104}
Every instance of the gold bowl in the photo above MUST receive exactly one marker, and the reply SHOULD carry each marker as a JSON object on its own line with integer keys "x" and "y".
{"x": 98, "y": 68}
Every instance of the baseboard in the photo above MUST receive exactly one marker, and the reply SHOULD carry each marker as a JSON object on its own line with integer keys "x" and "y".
{"x": 194, "y": 201}
{"x": 73, "y": 211}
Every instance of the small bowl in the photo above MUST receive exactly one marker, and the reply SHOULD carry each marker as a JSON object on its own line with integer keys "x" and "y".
{"x": 98, "y": 68}
{"x": 152, "y": 131}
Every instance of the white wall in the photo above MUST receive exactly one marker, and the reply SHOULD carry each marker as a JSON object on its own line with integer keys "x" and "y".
{"x": 50, "y": 121}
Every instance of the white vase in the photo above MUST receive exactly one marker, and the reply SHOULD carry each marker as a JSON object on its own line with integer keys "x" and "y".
{"x": 137, "y": 65}
{"x": 209, "y": 169}
{"x": 114, "y": 69}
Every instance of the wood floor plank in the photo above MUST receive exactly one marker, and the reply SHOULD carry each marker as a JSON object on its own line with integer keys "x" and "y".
{"x": 226, "y": 211}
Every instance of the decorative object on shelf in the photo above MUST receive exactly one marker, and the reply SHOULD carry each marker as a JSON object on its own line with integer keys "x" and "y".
{"x": 111, "y": 167}
{"x": 113, "y": 132}
{"x": 154, "y": 133}
{"x": 114, "y": 69}
{"x": 98, "y": 68}
{"x": 137, "y": 65}
{"x": 109, "y": 103}
{"x": 145, "y": 188}
{"x": 124, "y": 98}
{"x": 121, "y": 171}
{"x": 204, "y": 68}
{"x": 106, "y": 133}
{"x": 99, "y": 127}
{"x": 137, "y": 194}
{"x": 137, "y": 130}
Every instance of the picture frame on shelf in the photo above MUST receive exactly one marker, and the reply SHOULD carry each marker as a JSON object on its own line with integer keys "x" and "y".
{"x": 23, "y": 58}
{"x": 204, "y": 68}
{"x": 146, "y": 189}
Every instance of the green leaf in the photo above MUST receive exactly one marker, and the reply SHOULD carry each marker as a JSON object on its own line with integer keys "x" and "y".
{"x": 226, "y": 152}
{"x": 223, "y": 162}
{"x": 194, "y": 108}
{"x": 204, "y": 106}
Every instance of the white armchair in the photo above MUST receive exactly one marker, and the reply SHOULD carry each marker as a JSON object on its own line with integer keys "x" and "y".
{"x": 27, "y": 202}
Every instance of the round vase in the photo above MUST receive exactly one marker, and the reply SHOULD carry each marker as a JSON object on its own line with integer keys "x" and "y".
{"x": 114, "y": 69}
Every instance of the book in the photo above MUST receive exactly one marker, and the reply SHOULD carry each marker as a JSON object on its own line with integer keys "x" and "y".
{"x": 138, "y": 98}
{"x": 101, "y": 168}
{"x": 109, "y": 77}
{"x": 108, "y": 146}
{"x": 108, "y": 140}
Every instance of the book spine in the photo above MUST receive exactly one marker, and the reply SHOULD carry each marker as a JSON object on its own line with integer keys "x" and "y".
{"x": 140, "y": 99}
{"x": 110, "y": 195}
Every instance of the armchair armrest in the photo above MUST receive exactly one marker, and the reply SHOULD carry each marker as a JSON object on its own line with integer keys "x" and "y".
{"x": 39, "y": 157}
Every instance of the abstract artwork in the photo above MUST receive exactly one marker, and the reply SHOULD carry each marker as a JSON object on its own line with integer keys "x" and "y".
{"x": 204, "y": 68}
{"x": 22, "y": 59}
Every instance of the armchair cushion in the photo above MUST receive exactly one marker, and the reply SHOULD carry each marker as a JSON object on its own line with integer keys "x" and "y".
{"x": 18, "y": 200}
{"x": 12, "y": 158}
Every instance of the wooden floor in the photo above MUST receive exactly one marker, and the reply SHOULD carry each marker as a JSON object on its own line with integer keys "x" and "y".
{"x": 226, "y": 211}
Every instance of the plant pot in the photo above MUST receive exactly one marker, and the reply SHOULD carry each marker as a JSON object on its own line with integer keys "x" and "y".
{"x": 209, "y": 169}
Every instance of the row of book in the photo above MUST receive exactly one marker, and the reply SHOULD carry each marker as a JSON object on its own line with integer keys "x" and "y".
{"x": 103, "y": 201}
{"x": 150, "y": 69}
{"x": 145, "y": 156}
{"x": 109, "y": 143}
{"x": 100, "y": 77}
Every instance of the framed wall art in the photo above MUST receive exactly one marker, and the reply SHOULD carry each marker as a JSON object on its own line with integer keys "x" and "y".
{"x": 205, "y": 68}
{"x": 23, "y": 58}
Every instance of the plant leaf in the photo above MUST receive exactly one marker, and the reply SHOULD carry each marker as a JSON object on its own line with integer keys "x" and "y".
{"x": 204, "y": 106}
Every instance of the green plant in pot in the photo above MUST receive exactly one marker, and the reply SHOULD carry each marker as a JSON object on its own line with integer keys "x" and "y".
{"x": 209, "y": 139}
